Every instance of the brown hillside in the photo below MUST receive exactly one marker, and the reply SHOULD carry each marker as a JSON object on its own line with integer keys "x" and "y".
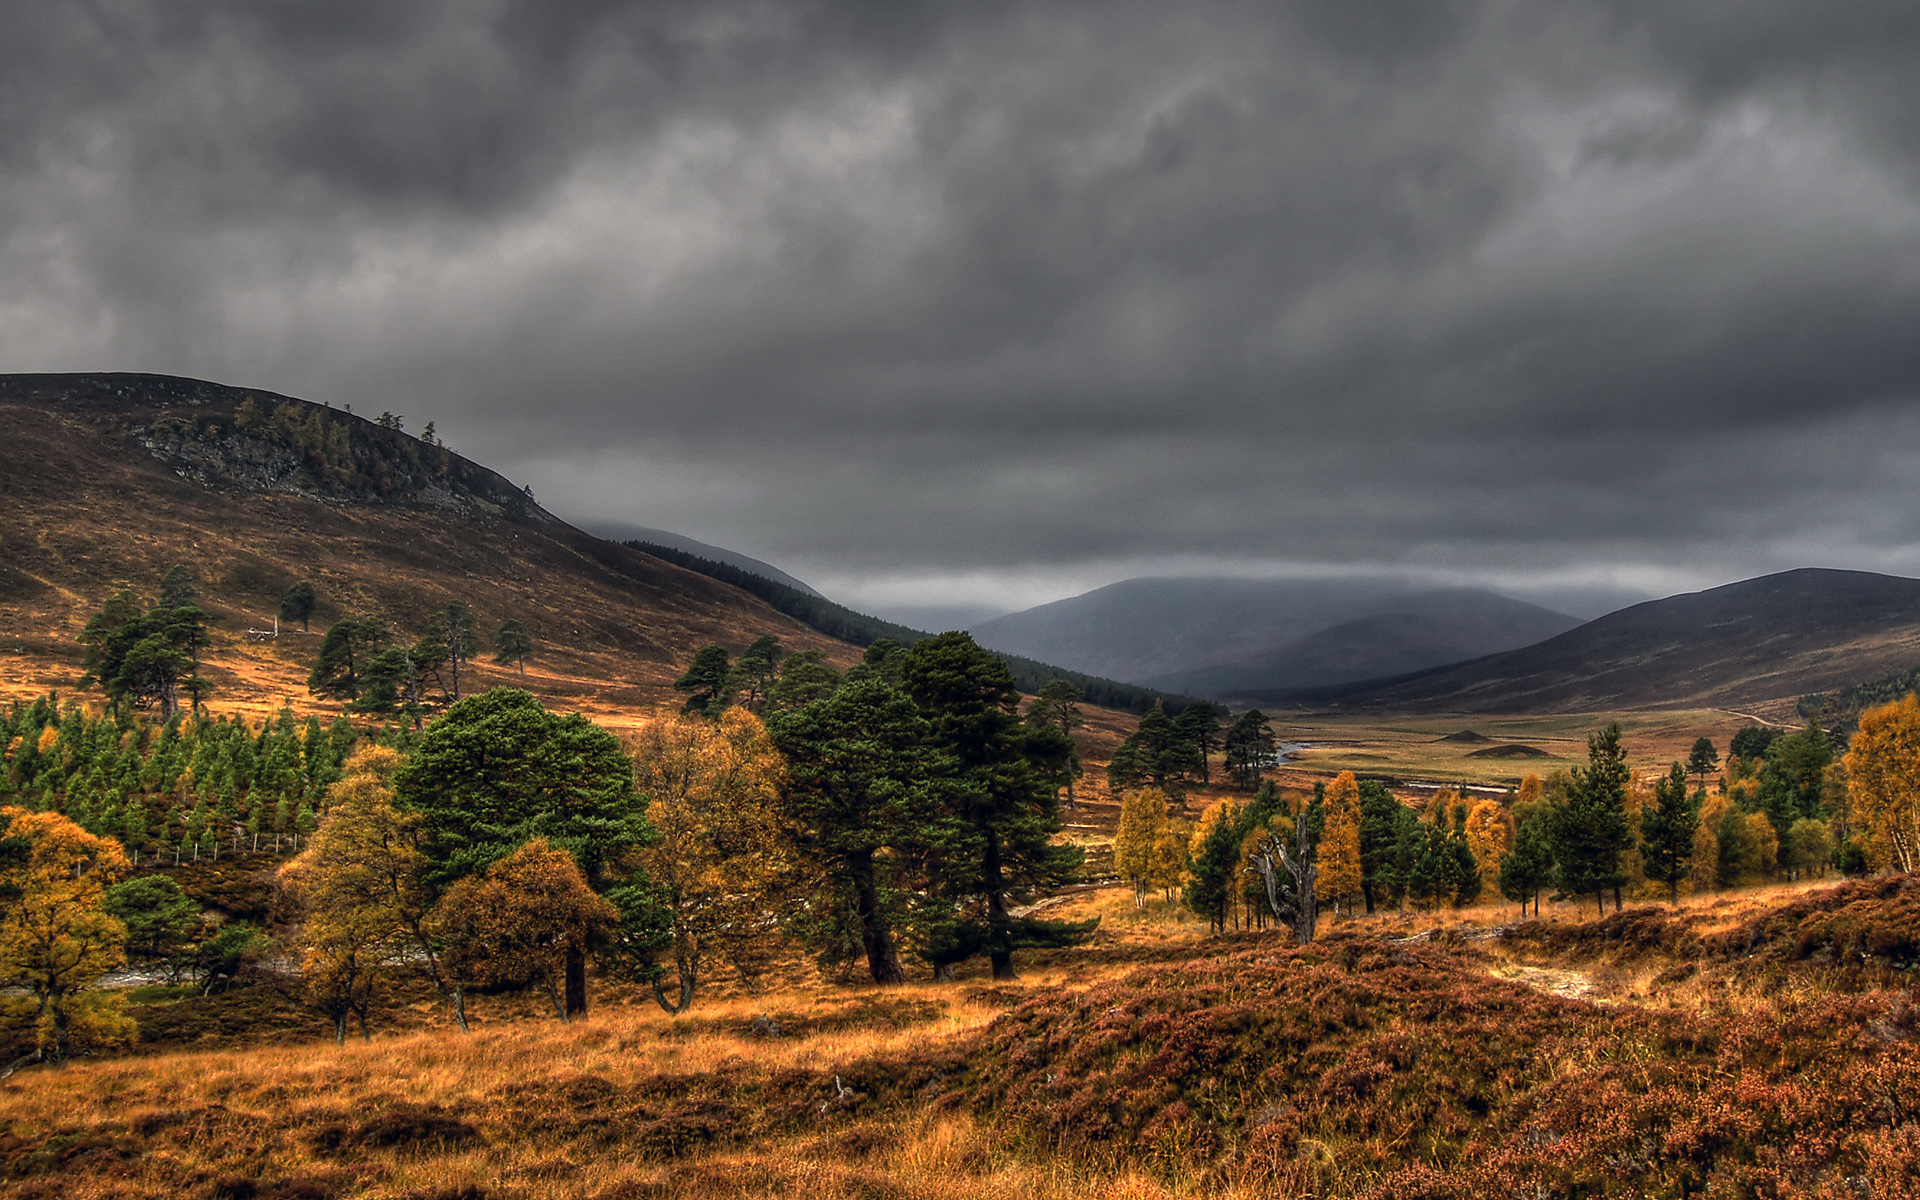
{"x": 108, "y": 480}
{"x": 1746, "y": 645}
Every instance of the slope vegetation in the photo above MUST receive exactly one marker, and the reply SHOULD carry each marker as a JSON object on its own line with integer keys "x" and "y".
{"x": 108, "y": 480}
{"x": 1751, "y": 643}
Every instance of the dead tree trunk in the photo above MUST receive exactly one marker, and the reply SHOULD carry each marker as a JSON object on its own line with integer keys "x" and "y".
{"x": 1290, "y": 878}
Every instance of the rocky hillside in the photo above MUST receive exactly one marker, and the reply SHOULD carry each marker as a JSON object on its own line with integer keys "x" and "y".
{"x": 106, "y": 481}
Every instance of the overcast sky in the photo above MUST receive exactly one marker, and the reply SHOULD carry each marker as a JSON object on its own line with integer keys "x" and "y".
{"x": 992, "y": 302}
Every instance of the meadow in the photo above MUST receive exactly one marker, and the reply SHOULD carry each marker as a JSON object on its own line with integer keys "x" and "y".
{"x": 1758, "y": 1043}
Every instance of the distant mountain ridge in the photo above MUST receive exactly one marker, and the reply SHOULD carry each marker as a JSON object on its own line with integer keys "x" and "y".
{"x": 620, "y": 531}
{"x": 1231, "y": 637}
{"x": 1773, "y": 638}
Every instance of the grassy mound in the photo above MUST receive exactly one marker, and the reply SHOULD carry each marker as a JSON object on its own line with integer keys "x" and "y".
{"x": 1359, "y": 1068}
{"x": 1511, "y": 750}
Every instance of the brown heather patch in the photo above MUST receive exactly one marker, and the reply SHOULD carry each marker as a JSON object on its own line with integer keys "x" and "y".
{"x": 1236, "y": 1067}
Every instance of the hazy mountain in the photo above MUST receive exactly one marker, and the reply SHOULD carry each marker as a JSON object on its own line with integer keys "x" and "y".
{"x": 1745, "y": 643}
{"x": 619, "y": 531}
{"x": 937, "y": 618}
{"x": 1225, "y": 635}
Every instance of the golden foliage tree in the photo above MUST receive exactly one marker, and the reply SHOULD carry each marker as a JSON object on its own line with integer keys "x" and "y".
{"x": 1143, "y": 823}
{"x": 1530, "y": 790}
{"x": 1490, "y": 836}
{"x": 1883, "y": 784}
{"x": 358, "y": 888}
{"x": 1340, "y": 875}
{"x": 56, "y": 937}
{"x": 518, "y": 924}
{"x": 724, "y": 862}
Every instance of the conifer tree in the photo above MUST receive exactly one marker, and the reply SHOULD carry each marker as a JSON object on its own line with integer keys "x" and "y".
{"x": 863, "y": 791}
{"x": 1249, "y": 748}
{"x": 512, "y": 645}
{"x": 1667, "y": 827}
{"x": 1216, "y": 864}
{"x": 1198, "y": 727}
{"x": 299, "y": 604}
{"x": 707, "y": 682}
{"x": 1005, "y": 809}
{"x": 1340, "y": 871}
{"x": 1528, "y": 867}
{"x": 1704, "y": 759}
{"x": 1589, "y": 829}
{"x": 1380, "y": 817}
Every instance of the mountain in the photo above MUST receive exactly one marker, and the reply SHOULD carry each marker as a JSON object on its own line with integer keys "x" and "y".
{"x": 1744, "y": 644}
{"x": 1224, "y": 637}
{"x": 617, "y": 531}
{"x": 108, "y": 480}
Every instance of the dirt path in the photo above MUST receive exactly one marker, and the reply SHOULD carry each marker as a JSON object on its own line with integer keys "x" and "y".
{"x": 1555, "y": 981}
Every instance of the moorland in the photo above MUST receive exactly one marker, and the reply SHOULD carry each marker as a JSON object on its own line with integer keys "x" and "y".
{"x": 782, "y": 914}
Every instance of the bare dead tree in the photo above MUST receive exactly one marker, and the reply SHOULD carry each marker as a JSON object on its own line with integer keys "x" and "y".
{"x": 1290, "y": 878}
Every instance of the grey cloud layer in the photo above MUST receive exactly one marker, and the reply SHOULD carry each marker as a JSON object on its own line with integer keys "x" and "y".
{"x": 878, "y": 287}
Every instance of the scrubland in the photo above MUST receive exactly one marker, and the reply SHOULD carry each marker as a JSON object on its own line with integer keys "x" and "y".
{"x": 1762, "y": 1044}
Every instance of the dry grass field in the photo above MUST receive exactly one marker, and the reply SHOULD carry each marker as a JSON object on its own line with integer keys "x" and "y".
{"x": 1745, "y": 1045}
{"x": 1421, "y": 747}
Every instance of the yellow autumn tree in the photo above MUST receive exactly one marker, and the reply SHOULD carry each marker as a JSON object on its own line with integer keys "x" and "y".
{"x": 1340, "y": 877}
{"x": 1168, "y": 871}
{"x": 56, "y": 937}
{"x": 517, "y": 925}
{"x": 1490, "y": 836}
{"x": 1143, "y": 822}
{"x": 1883, "y": 784}
{"x": 723, "y": 862}
{"x": 358, "y": 889}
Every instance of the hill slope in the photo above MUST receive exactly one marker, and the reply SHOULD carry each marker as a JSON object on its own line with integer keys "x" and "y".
{"x": 108, "y": 480}
{"x": 1749, "y": 643}
{"x": 1224, "y": 637}
{"x": 620, "y": 531}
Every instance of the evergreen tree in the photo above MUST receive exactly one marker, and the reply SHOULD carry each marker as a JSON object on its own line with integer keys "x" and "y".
{"x": 1703, "y": 760}
{"x": 863, "y": 792}
{"x": 706, "y": 682}
{"x": 512, "y": 645}
{"x": 1249, "y": 748}
{"x": 1216, "y": 868}
{"x": 1198, "y": 726}
{"x": 1151, "y": 756}
{"x": 1380, "y": 818}
{"x": 1667, "y": 827}
{"x": 806, "y": 677}
{"x": 350, "y": 643}
{"x": 178, "y": 587}
{"x": 756, "y": 672}
{"x": 1528, "y": 867}
{"x": 1589, "y": 831}
{"x": 1005, "y": 808}
{"x": 453, "y": 627}
{"x": 299, "y": 604}
{"x": 1057, "y": 708}
{"x": 497, "y": 771}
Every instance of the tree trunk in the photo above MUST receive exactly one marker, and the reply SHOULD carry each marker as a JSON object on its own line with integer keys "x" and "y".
{"x": 554, "y": 998}
{"x": 685, "y": 966}
{"x": 883, "y": 960}
{"x": 576, "y": 983}
{"x": 1616, "y": 897}
{"x": 999, "y": 925}
{"x": 340, "y": 1029}
{"x": 460, "y": 1009}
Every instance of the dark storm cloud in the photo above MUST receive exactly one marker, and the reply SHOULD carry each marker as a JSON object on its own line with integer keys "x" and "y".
{"x": 877, "y": 290}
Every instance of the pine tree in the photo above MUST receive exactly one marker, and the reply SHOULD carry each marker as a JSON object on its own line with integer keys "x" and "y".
{"x": 1003, "y": 803}
{"x": 1528, "y": 867}
{"x": 1198, "y": 727}
{"x": 1589, "y": 830}
{"x": 1703, "y": 759}
{"x": 1380, "y": 817}
{"x": 1667, "y": 827}
{"x": 1340, "y": 871}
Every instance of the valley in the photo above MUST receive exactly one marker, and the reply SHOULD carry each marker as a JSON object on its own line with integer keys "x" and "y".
{"x": 1122, "y": 1005}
